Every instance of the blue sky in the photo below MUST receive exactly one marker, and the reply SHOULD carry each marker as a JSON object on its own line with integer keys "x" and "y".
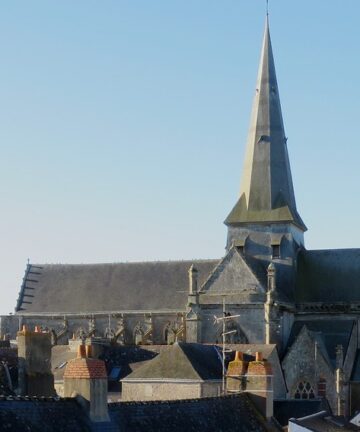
{"x": 123, "y": 125}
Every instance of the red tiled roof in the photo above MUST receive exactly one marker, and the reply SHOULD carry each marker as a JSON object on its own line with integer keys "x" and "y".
{"x": 85, "y": 368}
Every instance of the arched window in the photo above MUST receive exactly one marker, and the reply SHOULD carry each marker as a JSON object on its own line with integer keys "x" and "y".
{"x": 304, "y": 390}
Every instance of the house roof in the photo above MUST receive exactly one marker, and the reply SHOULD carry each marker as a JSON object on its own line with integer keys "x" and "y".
{"x": 42, "y": 415}
{"x": 80, "y": 288}
{"x": 328, "y": 276}
{"x": 188, "y": 361}
{"x": 229, "y": 413}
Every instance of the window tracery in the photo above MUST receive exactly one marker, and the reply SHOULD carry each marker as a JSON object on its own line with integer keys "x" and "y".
{"x": 304, "y": 390}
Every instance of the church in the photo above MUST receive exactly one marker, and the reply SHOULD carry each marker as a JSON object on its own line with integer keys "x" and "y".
{"x": 307, "y": 302}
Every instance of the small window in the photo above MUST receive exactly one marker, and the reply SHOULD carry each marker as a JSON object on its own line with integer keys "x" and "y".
{"x": 240, "y": 249}
{"x": 276, "y": 251}
{"x": 240, "y": 245}
{"x": 322, "y": 387}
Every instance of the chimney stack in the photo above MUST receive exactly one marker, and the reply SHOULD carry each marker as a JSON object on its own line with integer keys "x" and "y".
{"x": 34, "y": 354}
{"x": 235, "y": 378}
{"x": 86, "y": 377}
{"x": 259, "y": 385}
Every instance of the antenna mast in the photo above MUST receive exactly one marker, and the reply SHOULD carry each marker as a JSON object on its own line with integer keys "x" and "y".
{"x": 224, "y": 333}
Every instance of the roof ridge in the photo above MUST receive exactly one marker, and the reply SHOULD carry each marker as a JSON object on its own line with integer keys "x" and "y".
{"x": 197, "y": 260}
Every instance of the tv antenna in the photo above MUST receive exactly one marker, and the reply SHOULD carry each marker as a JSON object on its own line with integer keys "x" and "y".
{"x": 223, "y": 319}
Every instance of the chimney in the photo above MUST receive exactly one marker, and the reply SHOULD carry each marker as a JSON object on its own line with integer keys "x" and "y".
{"x": 34, "y": 356}
{"x": 235, "y": 377}
{"x": 86, "y": 378}
{"x": 259, "y": 384}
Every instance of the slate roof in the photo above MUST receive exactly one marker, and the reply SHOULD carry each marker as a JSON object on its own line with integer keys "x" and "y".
{"x": 267, "y": 193}
{"x": 86, "y": 288}
{"x": 355, "y": 374}
{"x": 189, "y": 361}
{"x": 294, "y": 408}
{"x": 323, "y": 422}
{"x": 328, "y": 276}
{"x": 228, "y": 413}
{"x": 128, "y": 358}
{"x": 41, "y": 415}
{"x": 330, "y": 333}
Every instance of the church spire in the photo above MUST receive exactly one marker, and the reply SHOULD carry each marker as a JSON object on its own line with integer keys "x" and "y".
{"x": 266, "y": 193}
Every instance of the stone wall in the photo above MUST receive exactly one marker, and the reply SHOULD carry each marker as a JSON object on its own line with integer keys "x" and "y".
{"x": 160, "y": 390}
{"x": 306, "y": 363}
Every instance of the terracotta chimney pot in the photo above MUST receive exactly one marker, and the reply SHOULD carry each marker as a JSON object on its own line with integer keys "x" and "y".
{"x": 239, "y": 356}
{"x": 259, "y": 356}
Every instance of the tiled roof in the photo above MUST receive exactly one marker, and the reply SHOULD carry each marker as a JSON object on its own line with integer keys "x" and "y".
{"x": 85, "y": 368}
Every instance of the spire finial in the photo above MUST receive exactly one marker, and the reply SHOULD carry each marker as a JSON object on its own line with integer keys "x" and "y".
{"x": 267, "y": 8}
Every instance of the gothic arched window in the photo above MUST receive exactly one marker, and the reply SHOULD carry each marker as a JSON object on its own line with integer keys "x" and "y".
{"x": 304, "y": 390}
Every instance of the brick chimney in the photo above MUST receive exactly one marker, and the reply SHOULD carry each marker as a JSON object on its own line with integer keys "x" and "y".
{"x": 259, "y": 385}
{"x": 235, "y": 378}
{"x": 34, "y": 356}
{"x": 86, "y": 377}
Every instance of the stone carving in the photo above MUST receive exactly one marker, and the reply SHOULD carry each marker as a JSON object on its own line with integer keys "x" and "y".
{"x": 174, "y": 331}
{"x": 138, "y": 334}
